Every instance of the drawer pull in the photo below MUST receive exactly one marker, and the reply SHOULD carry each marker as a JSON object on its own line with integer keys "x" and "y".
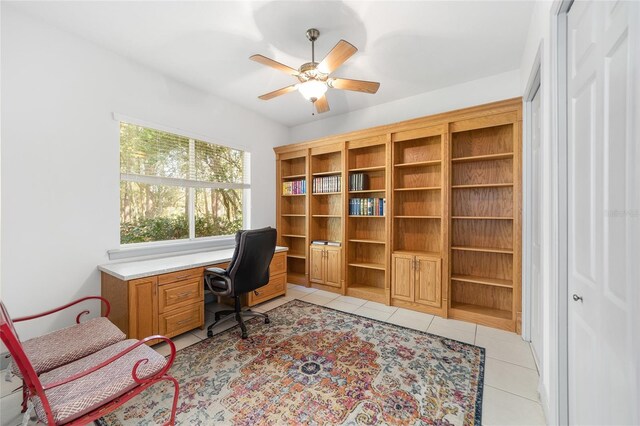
{"x": 182, "y": 295}
{"x": 256, "y": 292}
{"x": 182, "y": 277}
{"x": 183, "y": 322}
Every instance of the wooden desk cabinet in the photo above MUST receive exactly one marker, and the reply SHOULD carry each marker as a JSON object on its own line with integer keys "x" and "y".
{"x": 173, "y": 303}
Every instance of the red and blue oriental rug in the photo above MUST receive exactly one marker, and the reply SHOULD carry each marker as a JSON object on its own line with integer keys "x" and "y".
{"x": 315, "y": 365}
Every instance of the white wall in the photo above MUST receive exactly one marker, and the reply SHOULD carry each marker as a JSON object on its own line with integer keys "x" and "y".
{"x": 60, "y": 158}
{"x": 540, "y": 36}
{"x": 476, "y": 92}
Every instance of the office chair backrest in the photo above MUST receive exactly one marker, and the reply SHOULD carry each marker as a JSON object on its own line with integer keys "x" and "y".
{"x": 249, "y": 268}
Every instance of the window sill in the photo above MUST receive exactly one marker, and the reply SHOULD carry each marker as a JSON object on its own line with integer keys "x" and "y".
{"x": 170, "y": 247}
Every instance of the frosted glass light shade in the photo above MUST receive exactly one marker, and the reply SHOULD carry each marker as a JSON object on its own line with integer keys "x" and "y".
{"x": 312, "y": 89}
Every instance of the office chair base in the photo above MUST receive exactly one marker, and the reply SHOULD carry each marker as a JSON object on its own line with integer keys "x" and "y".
{"x": 227, "y": 315}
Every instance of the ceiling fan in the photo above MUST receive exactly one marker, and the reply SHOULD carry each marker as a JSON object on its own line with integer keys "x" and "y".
{"x": 314, "y": 77}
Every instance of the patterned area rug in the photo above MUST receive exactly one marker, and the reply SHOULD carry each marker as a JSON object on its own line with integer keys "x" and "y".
{"x": 315, "y": 365}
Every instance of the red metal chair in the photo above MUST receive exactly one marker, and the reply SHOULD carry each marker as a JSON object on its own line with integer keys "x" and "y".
{"x": 90, "y": 387}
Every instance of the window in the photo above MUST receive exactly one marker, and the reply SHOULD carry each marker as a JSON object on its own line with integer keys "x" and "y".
{"x": 174, "y": 187}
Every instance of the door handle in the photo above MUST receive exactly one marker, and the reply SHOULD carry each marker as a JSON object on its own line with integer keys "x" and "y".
{"x": 577, "y": 298}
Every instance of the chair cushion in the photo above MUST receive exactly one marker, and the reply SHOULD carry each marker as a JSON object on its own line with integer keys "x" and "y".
{"x": 69, "y": 344}
{"x": 77, "y": 398}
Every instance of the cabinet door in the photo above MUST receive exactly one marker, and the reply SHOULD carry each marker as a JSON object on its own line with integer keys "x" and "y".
{"x": 402, "y": 284}
{"x": 333, "y": 271}
{"x": 143, "y": 307}
{"x": 316, "y": 265}
{"x": 428, "y": 279}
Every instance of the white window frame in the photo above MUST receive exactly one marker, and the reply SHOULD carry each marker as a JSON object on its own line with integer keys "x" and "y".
{"x": 193, "y": 243}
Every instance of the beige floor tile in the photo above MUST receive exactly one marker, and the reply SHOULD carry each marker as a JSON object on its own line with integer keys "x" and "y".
{"x": 352, "y": 300}
{"x": 324, "y": 293}
{"x": 439, "y": 329}
{"x": 7, "y": 387}
{"x": 498, "y": 334}
{"x": 301, "y": 288}
{"x": 372, "y": 313}
{"x": 380, "y": 307}
{"x": 503, "y": 408}
{"x": 214, "y": 307}
{"x": 181, "y": 342}
{"x": 10, "y": 407}
{"x": 317, "y": 299}
{"x": 342, "y": 306}
{"x": 512, "y": 378}
{"x": 411, "y": 319}
{"x": 518, "y": 353}
{"x": 296, "y": 294}
{"x": 450, "y": 323}
{"x": 272, "y": 304}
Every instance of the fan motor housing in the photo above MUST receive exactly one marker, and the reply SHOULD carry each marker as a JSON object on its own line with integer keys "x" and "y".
{"x": 309, "y": 71}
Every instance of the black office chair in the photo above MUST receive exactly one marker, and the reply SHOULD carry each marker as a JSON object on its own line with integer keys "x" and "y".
{"x": 247, "y": 271}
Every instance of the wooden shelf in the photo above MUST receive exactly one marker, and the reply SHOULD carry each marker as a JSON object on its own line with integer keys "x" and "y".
{"x": 327, "y": 193}
{"x": 367, "y": 241}
{"x": 417, "y": 253}
{"x": 483, "y": 249}
{"x": 292, "y": 215}
{"x": 502, "y": 156}
{"x": 363, "y": 215}
{"x": 422, "y": 188}
{"x": 327, "y": 215}
{"x": 363, "y": 291}
{"x": 378, "y": 266}
{"x": 481, "y": 218}
{"x": 293, "y": 195}
{"x": 483, "y": 185}
{"x": 496, "y": 282}
{"x": 296, "y": 255}
{"x": 364, "y": 191}
{"x": 368, "y": 169}
{"x": 417, "y": 217}
{"x": 294, "y": 176}
{"x": 335, "y": 172}
{"x": 296, "y": 278}
{"x": 419, "y": 163}
{"x": 293, "y": 236}
{"x": 481, "y": 310}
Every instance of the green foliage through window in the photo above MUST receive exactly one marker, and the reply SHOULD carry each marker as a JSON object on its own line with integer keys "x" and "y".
{"x": 169, "y": 181}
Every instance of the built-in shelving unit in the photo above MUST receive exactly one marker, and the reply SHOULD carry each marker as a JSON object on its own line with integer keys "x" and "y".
{"x": 484, "y": 280}
{"x": 367, "y": 243}
{"x": 292, "y": 218}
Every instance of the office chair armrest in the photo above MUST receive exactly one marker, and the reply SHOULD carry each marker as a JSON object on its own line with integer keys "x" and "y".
{"x": 221, "y": 274}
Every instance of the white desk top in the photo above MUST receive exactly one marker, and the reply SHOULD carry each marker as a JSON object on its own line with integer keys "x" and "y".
{"x": 145, "y": 268}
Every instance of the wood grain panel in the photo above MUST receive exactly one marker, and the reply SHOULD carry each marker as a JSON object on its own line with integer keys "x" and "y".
{"x": 419, "y": 235}
{"x": 117, "y": 293}
{"x": 181, "y": 293}
{"x": 417, "y": 203}
{"x": 482, "y": 202}
{"x": 428, "y": 287}
{"x": 369, "y": 156}
{"x": 491, "y": 140}
{"x": 490, "y": 265}
{"x": 483, "y": 296}
{"x": 367, "y": 253}
{"x": 497, "y": 234}
{"x": 482, "y": 172}
{"x": 418, "y": 176}
{"x": 416, "y": 150}
{"x": 277, "y": 285}
{"x": 143, "y": 307}
{"x": 186, "y": 274}
{"x": 402, "y": 282}
{"x": 329, "y": 162}
{"x": 180, "y": 320}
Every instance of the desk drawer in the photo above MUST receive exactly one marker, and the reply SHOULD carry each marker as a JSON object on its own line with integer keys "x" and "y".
{"x": 186, "y": 274}
{"x": 181, "y": 293}
{"x": 180, "y": 320}
{"x": 276, "y": 286}
{"x": 278, "y": 264}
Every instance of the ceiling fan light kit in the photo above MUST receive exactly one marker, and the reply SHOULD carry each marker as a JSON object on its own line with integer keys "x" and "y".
{"x": 314, "y": 77}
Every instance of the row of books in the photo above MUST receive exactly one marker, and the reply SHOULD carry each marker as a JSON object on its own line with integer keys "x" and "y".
{"x": 368, "y": 206}
{"x": 358, "y": 182}
{"x": 327, "y": 184}
{"x": 326, "y": 243}
{"x": 294, "y": 187}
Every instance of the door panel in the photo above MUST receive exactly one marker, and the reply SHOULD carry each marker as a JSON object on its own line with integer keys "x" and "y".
{"x": 402, "y": 287}
{"x": 332, "y": 274}
{"x": 603, "y": 190}
{"x": 427, "y": 282}
{"x": 316, "y": 266}
{"x": 143, "y": 308}
{"x": 536, "y": 230}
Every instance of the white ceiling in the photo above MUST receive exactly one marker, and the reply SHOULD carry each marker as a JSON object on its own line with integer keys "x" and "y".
{"x": 409, "y": 47}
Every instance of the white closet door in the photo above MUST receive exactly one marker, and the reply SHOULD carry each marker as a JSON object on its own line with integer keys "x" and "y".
{"x": 536, "y": 230}
{"x": 603, "y": 221}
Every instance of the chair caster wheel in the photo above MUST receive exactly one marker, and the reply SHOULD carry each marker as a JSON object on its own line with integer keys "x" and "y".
{"x": 245, "y": 335}
{"x": 267, "y": 320}
{"x": 210, "y": 333}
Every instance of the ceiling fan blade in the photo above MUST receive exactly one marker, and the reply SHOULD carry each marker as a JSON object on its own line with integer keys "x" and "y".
{"x": 322, "y": 105}
{"x": 355, "y": 85}
{"x": 338, "y": 55}
{"x": 278, "y": 92}
{"x": 273, "y": 64}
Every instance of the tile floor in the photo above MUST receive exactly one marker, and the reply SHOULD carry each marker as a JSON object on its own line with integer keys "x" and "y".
{"x": 511, "y": 379}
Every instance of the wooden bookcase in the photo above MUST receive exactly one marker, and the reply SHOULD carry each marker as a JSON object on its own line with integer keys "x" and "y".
{"x": 419, "y": 206}
{"x": 449, "y": 242}
{"x": 368, "y": 243}
{"x": 327, "y": 217}
{"x": 485, "y": 224}
{"x": 292, "y": 215}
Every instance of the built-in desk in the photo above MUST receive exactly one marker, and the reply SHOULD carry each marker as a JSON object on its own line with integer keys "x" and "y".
{"x": 166, "y": 295}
